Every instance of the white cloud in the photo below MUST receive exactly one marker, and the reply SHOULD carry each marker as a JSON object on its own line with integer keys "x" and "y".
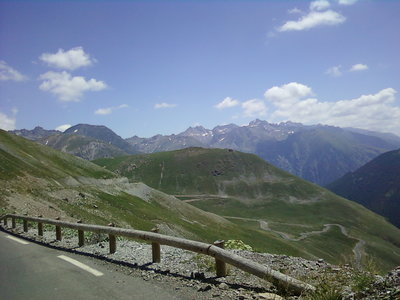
{"x": 64, "y": 127}
{"x": 6, "y": 122}
{"x": 164, "y": 105}
{"x": 109, "y": 110}
{"x": 287, "y": 93}
{"x": 295, "y": 11}
{"x": 347, "y": 2}
{"x": 313, "y": 19}
{"x": 334, "y": 71}
{"x": 254, "y": 108}
{"x": 104, "y": 111}
{"x": 70, "y": 60}
{"x": 358, "y": 67}
{"x": 319, "y": 5}
{"x": 8, "y": 73}
{"x": 374, "y": 112}
{"x": 68, "y": 88}
{"x": 226, "y": 103}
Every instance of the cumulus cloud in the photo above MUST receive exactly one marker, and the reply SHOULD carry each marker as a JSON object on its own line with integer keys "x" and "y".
{"x": 319, "y": 5}
{"x": 63, "y": 127}
{"x": 287, "y": 93}
{"x": 70, "y": 60}
{"x": 254, "y": 108}
{"x": 313, "y": 19}
{"x": 334, "y": 71}
{"x": 67, "y": 87}
{"x": 374, "y": 111}
{"x": 358, "y": 67}
{"x": 226, "y": 103}
{"x": 164, "y": 105}
{"x": 7, "y": 122}
{"x": 347, "y": 2}
{"x": 9, "y": 73}
{"x": 109, "y": 110}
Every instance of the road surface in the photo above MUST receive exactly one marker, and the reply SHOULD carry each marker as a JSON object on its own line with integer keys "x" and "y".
{"x": 32, "y": 271}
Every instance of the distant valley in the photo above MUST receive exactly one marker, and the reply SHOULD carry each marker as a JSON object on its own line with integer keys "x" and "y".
{"x": 318, "y": 153}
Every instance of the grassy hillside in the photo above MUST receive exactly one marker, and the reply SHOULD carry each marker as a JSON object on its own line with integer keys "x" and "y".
{"x": 36, "y": 179}
{"x": 261, "y": 198}
{"x": 21, "y": 157}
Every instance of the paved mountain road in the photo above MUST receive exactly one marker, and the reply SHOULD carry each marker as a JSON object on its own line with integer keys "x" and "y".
{"x": 31, "y": 271}
{"x": 358, "y": 249}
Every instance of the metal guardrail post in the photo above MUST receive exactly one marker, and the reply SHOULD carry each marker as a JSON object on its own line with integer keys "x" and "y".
{"x": 155, "y": 249}
{"x": 220, "y": 265}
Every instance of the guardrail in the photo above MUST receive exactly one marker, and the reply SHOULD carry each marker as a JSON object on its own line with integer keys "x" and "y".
{"x": 215, "y": 250}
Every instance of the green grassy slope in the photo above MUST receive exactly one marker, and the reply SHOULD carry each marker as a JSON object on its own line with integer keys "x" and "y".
{"x": 234, "y": 184}
{"x": 20, "y": 156}
{"x": 40, "y": 180}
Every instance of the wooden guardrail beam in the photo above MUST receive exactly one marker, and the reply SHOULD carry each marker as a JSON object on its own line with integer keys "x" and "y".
{"x": 221, "y": 255}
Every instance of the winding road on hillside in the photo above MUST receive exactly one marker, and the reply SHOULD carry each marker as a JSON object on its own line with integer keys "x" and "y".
{"x": 358, "y": 249}
{"x": 31, "y": 271}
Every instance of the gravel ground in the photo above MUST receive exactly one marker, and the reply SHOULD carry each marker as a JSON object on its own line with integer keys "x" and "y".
{"x": 194, "y": 274}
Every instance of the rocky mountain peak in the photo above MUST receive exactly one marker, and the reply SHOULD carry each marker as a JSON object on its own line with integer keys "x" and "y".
{"x": 196, "y": 131}
{"x": 258, "y": 122}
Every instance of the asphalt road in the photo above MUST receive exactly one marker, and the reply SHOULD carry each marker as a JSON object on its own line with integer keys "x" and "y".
{"x": 32, "y": 271}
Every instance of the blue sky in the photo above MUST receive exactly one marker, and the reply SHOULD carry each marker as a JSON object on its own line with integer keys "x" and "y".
{"x": 148, "y": 67}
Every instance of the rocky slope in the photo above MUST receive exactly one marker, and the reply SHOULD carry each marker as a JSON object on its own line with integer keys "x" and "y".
{"x": 101, "y": 133}
{"x": 82, "y": 146}
{"x": 35, "y": 134}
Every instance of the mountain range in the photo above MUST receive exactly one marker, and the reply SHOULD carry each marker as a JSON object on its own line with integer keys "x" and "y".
{"x": 376, "y": 185}
{"x": 317, "y": 153}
